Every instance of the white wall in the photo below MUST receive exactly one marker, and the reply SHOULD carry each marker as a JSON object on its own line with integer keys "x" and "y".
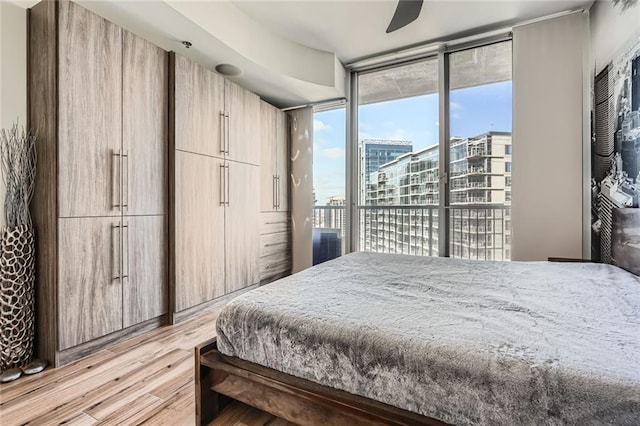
{"x": 301, "y": 188}
{"x": 610, "y": 29}
{"x": 13, "y": 71}
{"x": 549, "y": 136}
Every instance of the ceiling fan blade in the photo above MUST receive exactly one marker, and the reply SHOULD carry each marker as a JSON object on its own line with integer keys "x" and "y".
{"x": 406, "y": 12}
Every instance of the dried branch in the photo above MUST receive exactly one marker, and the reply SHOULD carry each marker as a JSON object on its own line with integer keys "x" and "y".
{"x": 18, "y": 163}
{"x": 625, "y": 4}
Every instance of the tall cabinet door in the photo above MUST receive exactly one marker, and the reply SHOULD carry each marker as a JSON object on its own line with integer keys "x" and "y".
{"x": 145, "y": 127}
{"x": 90, "y": 113}
{"x": 144, "y": 268}
{"x": 283, "y": 159}
{"x": 199, "y": 109}
{"x": 242, "y": 226}
{"x": 243, "y": 124}
{"x": 89, "y": 277}
{"x": 199, "y": 229}
{"x": 268, "y": 171}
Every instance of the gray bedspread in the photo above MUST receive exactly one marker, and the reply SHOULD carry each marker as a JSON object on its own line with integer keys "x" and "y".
{"x": 466, "y": 342}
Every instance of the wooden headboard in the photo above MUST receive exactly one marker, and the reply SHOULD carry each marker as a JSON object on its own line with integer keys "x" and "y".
{"x": 625, "y": 239}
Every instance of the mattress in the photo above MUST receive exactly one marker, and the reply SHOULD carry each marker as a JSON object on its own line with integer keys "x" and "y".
{"x": 465, "y": 342}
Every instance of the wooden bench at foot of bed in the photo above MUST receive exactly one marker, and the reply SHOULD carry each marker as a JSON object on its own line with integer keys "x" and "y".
{"x": 220, "y": 379}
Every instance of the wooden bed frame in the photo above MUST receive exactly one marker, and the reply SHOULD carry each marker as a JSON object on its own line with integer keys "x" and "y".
{"x": 220, "y": 379}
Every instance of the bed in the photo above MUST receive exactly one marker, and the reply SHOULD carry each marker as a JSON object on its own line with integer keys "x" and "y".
{"x": 393, "y": 339}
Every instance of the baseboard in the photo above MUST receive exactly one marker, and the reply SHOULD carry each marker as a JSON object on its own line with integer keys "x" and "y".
{"x": 194, "y": 310}
{"x": 80, "y": 351}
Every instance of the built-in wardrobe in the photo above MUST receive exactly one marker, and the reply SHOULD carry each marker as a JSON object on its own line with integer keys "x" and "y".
{"x": 217, "y": 172}
{"x": 228, "y": 145}
{"x": 150, "y": 199}
{"x": 275, "y": 215}
{"x": 98, "y": 99}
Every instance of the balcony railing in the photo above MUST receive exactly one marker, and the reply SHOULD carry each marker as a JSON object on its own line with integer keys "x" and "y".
{"x": 329, "y": 217}
{"x": 398, "y": 229}
{"x": 480, "y": 232}
{"x": 476, "y": 232}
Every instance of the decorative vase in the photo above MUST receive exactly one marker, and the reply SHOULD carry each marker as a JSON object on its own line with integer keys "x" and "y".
{"x": 17, "y": 296}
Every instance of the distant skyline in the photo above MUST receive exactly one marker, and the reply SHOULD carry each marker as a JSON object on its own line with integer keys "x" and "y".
{"x": 474, "y": 110}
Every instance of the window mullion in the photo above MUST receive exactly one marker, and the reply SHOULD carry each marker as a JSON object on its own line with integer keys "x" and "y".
{"x": 443, "y": 149}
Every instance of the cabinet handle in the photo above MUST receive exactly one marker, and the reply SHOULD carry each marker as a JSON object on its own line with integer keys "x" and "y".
{"x": 115, "y": 181}
{"x": 228, "y": 181}
{"x": 125, "y": 181}
{"x": 276, "y": 244}
{"x": 278, "y": 192}
{"x": 275, "y": 189}
{"x": 125, "y": 254}
{"x": 115, "y": 258}
{"x": 223, "y": 124}
{"x": 222, "y": 185}
{"x": 227, "y": 133}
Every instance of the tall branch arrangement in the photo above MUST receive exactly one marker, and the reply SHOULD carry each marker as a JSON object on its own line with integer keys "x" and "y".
{"x": 18, "y": 160}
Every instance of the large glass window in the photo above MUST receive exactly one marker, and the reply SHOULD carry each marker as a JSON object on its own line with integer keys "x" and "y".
{"x": 480, "y": 152}
{"x": 399, "y": 145}
{"x": 398, "y": 159}
{"x": 328, "y": 184}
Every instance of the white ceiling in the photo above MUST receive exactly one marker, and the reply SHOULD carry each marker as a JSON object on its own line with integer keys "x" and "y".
{"x": 291, "y": 51}
{"x": 356, "y": 29}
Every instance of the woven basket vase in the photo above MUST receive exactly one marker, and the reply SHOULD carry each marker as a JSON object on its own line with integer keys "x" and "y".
{"x": 17, "y": 298}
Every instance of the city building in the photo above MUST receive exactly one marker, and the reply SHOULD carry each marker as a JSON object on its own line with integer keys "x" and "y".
{"x": 332, "y": 215}
{"x": 374, "y": 153}
{"x": 617, "y": 190}
{"x": 401, "y": 205}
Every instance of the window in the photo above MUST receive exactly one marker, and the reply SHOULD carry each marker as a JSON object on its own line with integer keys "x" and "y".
{"x": 329, "y": 214}
{"x": 400, "y": 205}
{"x": 480, "y": 129}
{"x": 399, "y": 168}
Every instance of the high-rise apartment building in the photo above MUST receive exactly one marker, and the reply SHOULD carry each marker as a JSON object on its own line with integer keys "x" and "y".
{"x": 480, "y": 199}
{"x": 376, "y": 152}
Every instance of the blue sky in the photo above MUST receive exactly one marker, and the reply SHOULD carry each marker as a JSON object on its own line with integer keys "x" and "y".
{"x": 474, "y": 111}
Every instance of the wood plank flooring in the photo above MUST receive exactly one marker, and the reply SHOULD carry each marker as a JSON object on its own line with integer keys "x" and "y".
{"x": 147, "y": 380}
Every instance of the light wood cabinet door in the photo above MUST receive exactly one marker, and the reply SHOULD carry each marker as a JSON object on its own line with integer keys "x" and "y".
{"x": 145, "y": 127}
{"x": 199, "y": 229}
{"x": 90, "y": 288}
{"x": 90, "y": 113}
{"x": 282, "y": 162}
{"x": 199, "y": 105}
{"x": 242, "y": 227}
{"x": 244, "y": 130}
{"x": 268, "y": 170}
{"x": 144, "y": 266}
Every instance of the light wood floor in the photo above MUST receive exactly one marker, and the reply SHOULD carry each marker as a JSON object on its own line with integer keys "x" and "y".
{"x": 145, "y": 380}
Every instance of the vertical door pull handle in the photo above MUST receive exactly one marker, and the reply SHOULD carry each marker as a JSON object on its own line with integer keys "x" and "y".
{"x": 275, "y": 189}
{"x": 223, "y": 133}
{"x": 222, "y": 185}
{"x": 125, "y": 181}
{"x": 115, "y": 253}
{"x": 116, "y": 192}
{"x": 125, "y": 254}
{"x": 228, "y": 133}
{"x": 228, "y": 180}
{"x": 278, "y": 192}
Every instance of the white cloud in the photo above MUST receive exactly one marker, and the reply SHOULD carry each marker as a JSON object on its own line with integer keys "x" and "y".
{"x": 453, "y": 107}
{"x": 400, "y": 135}
{"x": 437, "y": 124}
{"x": 332, "y": 153}
{"x": 320, "y": 126}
